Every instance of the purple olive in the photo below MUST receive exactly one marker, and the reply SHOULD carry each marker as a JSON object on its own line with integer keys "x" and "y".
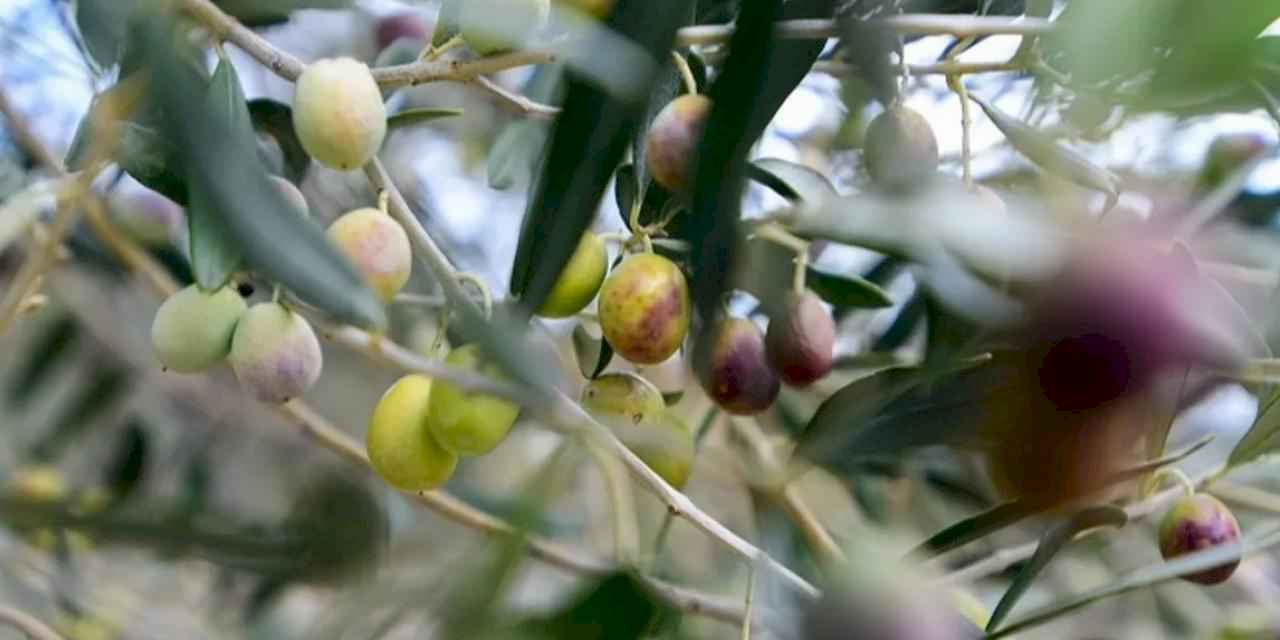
{"x": 800, "y": 342}
{"x": 1195, "y": 523}
{"x": 673, "y": 140}
{"x": 733, "y": 370}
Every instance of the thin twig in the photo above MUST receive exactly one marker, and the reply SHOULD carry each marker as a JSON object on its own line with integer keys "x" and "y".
{"x": 922, "y": 23}
{"x": 27, "y": 623}
{"x": 625, "y": 531}
{"x": 748, "y": 617}
{"x": 517, "y": 103}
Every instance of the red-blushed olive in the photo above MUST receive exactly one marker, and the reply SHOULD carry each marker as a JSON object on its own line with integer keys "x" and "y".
{"x": 1195, "y": 523}
{"x": 378, "y": 247}
{"x": 275, "y": 353}
{"x": 401, "y": 447}
{"x": 192, "y": 329}
{"x": 1227, "y": 153}
{"x": 469, "y": 424}
{"x": 146, "y": 216}
{"x": 494, "y": 26}
{"x": 733, "y": 370}
{"x": 338, "y": 113}
{"x": 578, "y": 283}
{"x": 900, "y": 150}
{"x": 801, "y": 341}
{"x": 644, "y": 308}
{"x": 407, "y": 24}
{"x": 673, "y": 140}
{"x": 622, "y": 397}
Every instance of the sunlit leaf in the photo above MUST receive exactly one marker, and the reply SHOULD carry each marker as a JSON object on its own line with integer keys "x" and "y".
{"x": 846, "y": 290}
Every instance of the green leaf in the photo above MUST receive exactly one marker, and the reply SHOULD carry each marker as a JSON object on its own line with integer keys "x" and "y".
{"x": 618, "y": 607}
{"x": 1260, "y": 538}
{"x": 593, "y": 353}
{"x": 447, "y": 22}
{"x": 275, "y": 119}
{"x": 124, "y": 472}
{"x": 791, "y": 180}
{"x": 672, "y": 397}
{"x": 221, "y": 163}
{"x": 1049, "y": 155}
{"x": 102, "y": 25}
{"x": 256, "y": 13}
{"x": 1051, "y": 543}
{"x": 847, "y": 290}
{"x": 148, "y": 158}
{"x": 413, "y": 117}
{"x": 658, "y": 202}
{"x": 516, "y": 151}
{"x": 1263, "y": 437}
{"x": 590, "y": 137}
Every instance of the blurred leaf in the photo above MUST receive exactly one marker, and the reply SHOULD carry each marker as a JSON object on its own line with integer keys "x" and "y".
{"x": 589, "y": 139}
{"x": 446, "y": 22}
{"x": 343, "y": 528}
{"x": 1263, "y": 437}
{"x": 1049, "y": 155}
{"x": 720, "y": 165}
{"x": 618, "y": 607}
{"x": 107, "y": 384}
{"x": 412, "y": 117}
{"x": 593, "y": 353}
{"x": 40, "y": 358}
{"x": 1261, "y": 537}
{"x": 128, "y": 463}
{"x": 257, "y": 13}
{"x": 847, "y": 290}
{"x": 672, "y": 397}
{"x": 275, "y": 119}
{"x": 1051, "y": 543}
{"x": 222, "y": 164}
{"x": 215, "y": 255}
{"x": 148, "y": 158}
{"x": 791, "y": 180}
{"x": 904, "y": 324}
{"x": 786, "y": 66}
{"x": 658, "y": 202}
{"x": 102, "y": 25}
{"x": 519, "y": 147}
{"x": 402, "y": 51}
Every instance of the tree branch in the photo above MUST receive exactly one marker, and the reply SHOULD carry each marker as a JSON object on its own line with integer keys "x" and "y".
{"x": 27, "y": 623}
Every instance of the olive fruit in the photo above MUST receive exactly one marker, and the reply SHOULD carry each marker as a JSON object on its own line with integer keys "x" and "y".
{"x": 293, "y": 195}
{"x": 672, "y": 140}
{"x": 338, "y": 113}
{"x": 800, "y": 342}
{"x": 494, "y": 26}
{"x": 579, "y": 281}
{"x": 192, "y": 329}
{"x": 622, "y": 398}
{"x": 644, "y": 308}
{"x": 634, "y": 409}
{"x": 378, "y": 247}
{"x": 596, "y": 8}
{"x": 1199, "y": 522}
{"x": 401, "y": 448}
{"x": 732, "y": 368}
{"x": 275, "y": 353}
{"x": 468, "y": 424}
{"x": 900, "y": 149}
{"x": 146, "y": 216}
{"x": 408, "y": 25}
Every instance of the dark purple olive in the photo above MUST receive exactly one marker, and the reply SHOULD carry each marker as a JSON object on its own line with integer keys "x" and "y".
{"x": 733, "y": 370}
{"x": 1195, "y": 523}
{"x": 800, "y": 342}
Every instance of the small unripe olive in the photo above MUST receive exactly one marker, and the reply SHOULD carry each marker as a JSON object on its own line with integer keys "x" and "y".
{"x": 293, "y": 195}
{"x": 378, "y": 247}
{"x": 1195, "y": 523}
{"x": 469, "y": 424}
{"x": 275, "y": 353}
{"x": 494, "y": 26}
{"x": 146, "y": 216}
{"x": 900, "y": 149}
{"x": 644, "y": 308}
{"x": 800, "y": 342}
{"x": 401, "y": 447}
{"x": 192, "y": 329}
{"x": 622, "y": 398}
{"x": 672, "y": 140}
{"x": 733, "y": 370}
{"x": 338, "y": 113}
{"x": 578, "y": 283}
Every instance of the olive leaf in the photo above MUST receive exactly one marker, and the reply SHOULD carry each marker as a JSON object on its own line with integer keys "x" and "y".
{"x": 412, "y": 117}
{"x": 847, "y": 291}
{"x": 791, "y": 180}
{"x": 102, "y": 25}
{"x": 1051, "y": 543}
{"x": 275, "y": 119}
{"x": 1051, "y": 156}
{"x": 256, "y": 13}
{"x": 593, "y": 353}
{"x": 214, "y": 252}
{"x": 447, "y": 22}
{"x": 517, "y": 149}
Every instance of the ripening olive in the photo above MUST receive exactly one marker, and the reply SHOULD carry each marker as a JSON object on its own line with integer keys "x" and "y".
{"x": 408, "y": 25}
{"x": 672, "y": 141}
{"x": 665, "y": 443}
{"x": 800, "y": 342}
{"x": 578, "y": 283}
{"x": 378, "y": 247}
{"x": 900, "y": 149}
{"x": 401, "y": 447}
{"x": 469, "y": 424}
{"x": 733, "y": 370}
{"x": 644, "y": 308}
{"x": 338, "y": 113}
{"x": 275, "y": 353}
{"x": 1195, "y": 523}
{"x": 622, "y": 398}
{"x": 192, "y": 329}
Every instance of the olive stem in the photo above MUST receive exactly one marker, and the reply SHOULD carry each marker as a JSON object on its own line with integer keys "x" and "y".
{"x": 431, "y": 52}
{"x": 27, "y": 624}
{"x": 383, "y": 199}
{"x": 749, "y": 606}
{"x": 1178, "y": 475}
{"x": 955, "y": 82}
{"x": 686, "y": 74}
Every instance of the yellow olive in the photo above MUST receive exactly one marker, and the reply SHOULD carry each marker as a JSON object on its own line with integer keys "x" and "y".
{"x": 469, "y": 424}
{"x": 579, "y": 281}
{"x": 401, "y": 448}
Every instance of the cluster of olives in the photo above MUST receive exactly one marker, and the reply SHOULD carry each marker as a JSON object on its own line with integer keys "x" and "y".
{"x": 420, "y": 426}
